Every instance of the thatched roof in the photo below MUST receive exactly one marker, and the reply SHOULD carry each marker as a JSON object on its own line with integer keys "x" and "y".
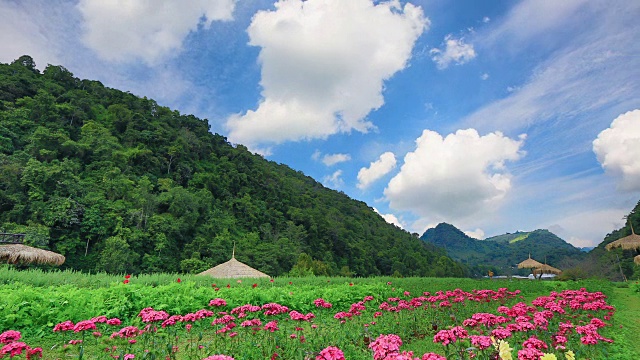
{"x": 627, "y": 243}
{"x": 546, "y": 269}
{"x": 18, "y": 253}
{"x": 529, "y": 264}
{"x": 233, "y": 269}
{"x": 637, "y": 260}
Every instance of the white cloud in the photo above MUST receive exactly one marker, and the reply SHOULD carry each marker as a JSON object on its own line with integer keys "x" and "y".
{"x": 324, "y": 63}
{"x": 454, "y": 177}
{"x": 334, "y": 180}
{"x": 124, "y": 30}
{"x": 486, "y": 19}
{"x": 618, "y": 149}
{"x": 390, "y": 218}
{"x": 332, "y": 159}
{"x": 476, "y": 234}
{"x": 484, "y": 76}
{"x": 530, "y": 18}
{"x": 28, "y": 28}
{"x": 376, "y": 170}
{"x": 588, "y": 228}
{"x": 456, "y": 51}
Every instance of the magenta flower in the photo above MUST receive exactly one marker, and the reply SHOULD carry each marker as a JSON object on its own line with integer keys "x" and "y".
{"x": 84, "y": 325}
{"x": 217, "y": 302}
{"x": 114, "y": 321}
{"x": 64, "y": 326}
{"x": 9, "y": 336}
{"x": 271, "y": 326}
{"x": 330, "y": 353}
{"x": 13, "y": 349}
{"x": 433, "y": 356}
{"x": 219, "y": 357}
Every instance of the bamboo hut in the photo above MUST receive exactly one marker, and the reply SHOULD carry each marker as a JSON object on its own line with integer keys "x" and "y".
{"x": 233, "y": 269}
{"x": 630, "y": 242}
{"x": 529, "y": 264}
{"x": 546, "y": 269}
{"x": 19, "y": 253}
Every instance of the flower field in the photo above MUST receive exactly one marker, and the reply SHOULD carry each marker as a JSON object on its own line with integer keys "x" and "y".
{"x": 188, "y": 317}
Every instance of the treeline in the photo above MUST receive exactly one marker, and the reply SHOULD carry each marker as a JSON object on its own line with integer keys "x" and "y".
{"x": 118, "y": 183}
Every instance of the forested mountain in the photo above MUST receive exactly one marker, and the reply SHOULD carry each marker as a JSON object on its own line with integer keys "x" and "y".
{"x": 502, "y": 253}
{"x": 118, "y": 183}
{"x": 612, "y": 264}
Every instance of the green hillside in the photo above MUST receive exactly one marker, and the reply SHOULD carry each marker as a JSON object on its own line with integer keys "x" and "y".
{"x": 509, "y": 238}
{"x": 502, "y": 253}
{"x": 119, "y": 183}
{"x": 612, "y": 264}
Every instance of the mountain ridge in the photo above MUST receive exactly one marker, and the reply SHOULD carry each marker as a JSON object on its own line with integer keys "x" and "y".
{"x": 501, "y": 253}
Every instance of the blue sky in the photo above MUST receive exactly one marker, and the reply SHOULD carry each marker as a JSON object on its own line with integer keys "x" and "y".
{"x": 494, "y": 116}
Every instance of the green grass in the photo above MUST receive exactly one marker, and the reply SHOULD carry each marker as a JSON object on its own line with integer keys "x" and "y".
{"x": 627, "y": 319}
{"x": 519, "y": 238}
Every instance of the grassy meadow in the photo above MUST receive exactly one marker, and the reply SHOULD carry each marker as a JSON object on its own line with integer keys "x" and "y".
{"x": 174, "y": 316}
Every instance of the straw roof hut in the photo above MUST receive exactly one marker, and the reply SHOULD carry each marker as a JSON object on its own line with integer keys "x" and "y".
{"x": 529, "y": 264}
{"x": 19, "y": 253}
{"x": 637, "y": 260}
{"x": 547, "y": 269}
{"x": 630, "y": 242}
{"x": 233, "y": 269}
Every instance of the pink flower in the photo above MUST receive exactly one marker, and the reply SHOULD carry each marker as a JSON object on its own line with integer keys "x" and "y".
{"x": 114, "y": 321}
{"x": 84, "y": 325}
{"x": 219, "y": 357}
{"x": 330, "y": 353}
{"x": 217, "y": 302}
{"x": 529, "y": 354}
{"x": 99, "y": 319}
{"x": 481, "y": 342}
{"x": 271, "y": 326}
{"x": 13, "y": 349}
{"x": 433, "y": 356}
{"x": 32, "y": 353}
{"x": 63, "y": 326}
{"x": 9, "y": 336}
{"x": 129, "y": 356}
{"x": 385, "y": 345}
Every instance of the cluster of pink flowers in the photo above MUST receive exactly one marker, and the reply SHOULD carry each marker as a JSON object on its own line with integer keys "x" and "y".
{"x": 320, "y": 302}
{"x": 13, "y": 347}
{"x": 294, "y": 315}
{"x": 150, "y": 315}
{"x": 330, "y": 353}
{"x": 217, "y": 301}
{"x": 219, "y": 357}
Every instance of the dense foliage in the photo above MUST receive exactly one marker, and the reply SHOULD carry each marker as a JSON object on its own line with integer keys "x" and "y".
{"x": 500, "y": 254}
{"x": 118, "y": 183}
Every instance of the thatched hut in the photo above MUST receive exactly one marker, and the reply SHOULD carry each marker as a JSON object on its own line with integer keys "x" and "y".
{"x": 546, "y": 269}
{"x": 630, "y": 242}
{"x": 529, "y": 264}
{"x": 233, "y": 269}
{"x": 19, "y": 253}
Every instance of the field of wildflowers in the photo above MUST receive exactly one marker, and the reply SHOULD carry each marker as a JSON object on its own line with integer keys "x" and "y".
{"x": 310, "y": 318}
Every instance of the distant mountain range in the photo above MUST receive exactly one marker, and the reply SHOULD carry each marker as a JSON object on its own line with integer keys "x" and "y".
{"x": 502, "y": 253}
